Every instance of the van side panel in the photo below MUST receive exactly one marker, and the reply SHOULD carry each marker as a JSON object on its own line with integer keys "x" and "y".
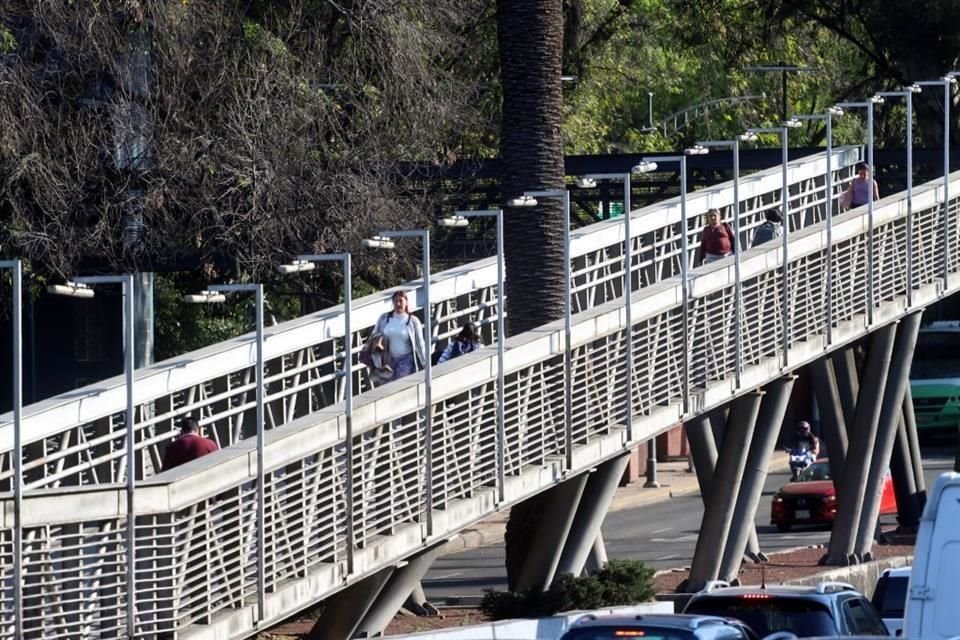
{"x": 947, "y": 594}
{"x": 932, "y": 609}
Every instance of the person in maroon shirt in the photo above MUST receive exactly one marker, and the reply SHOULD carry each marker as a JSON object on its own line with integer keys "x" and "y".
{"x": 716, "y": 240}
{"x": 189, "y": 445}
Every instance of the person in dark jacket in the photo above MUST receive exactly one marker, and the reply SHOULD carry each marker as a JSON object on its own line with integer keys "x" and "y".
{"x": 769, "y": 230}
{"x": 189, "y": 445}
{"x": 466, "y": 341}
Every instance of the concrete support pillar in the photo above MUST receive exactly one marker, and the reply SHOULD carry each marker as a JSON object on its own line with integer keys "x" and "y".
{"x": 701, "y": 435}
{"x": 904, "y": 484}
{"x": 403, "y": 581}
{"x": 594, "y": 504}
{"x": 890, "y": 411}
{"x": 831, "y": 414}
{"x": 703, "y": 450}
{"x": 910, "y": 422}
{"x": 772, "y": 409}
{"x": 848, "y": 382}
{"x": 598, "y": 555}
{"x": 345, "y": 609}
{"x": 862, "y": 440}
{"x": 725, "y": 487}
{"x": 560, "y": 508}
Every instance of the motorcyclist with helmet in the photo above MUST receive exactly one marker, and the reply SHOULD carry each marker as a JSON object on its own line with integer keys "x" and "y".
{"x": 805, "y": 449}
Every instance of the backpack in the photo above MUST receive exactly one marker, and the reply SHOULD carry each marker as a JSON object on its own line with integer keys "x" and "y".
{"x": 764, "y": 233}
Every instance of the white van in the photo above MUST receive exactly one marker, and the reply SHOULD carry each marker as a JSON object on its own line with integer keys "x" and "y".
{"x": 932, "y": 609}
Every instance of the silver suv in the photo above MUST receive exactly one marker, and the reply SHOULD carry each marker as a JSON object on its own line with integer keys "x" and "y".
{"x": 827, "y": 609}
{"x": 658, "y": 625}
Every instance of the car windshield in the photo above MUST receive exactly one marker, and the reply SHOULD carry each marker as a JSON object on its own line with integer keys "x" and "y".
{"x": 804, "y": 618}
{"x": 628, "y": 631}
{"x": 816, "y": 471}
{"x": 891, "y": 596}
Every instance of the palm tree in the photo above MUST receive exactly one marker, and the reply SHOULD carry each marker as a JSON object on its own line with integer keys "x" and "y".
{"x": 530, "y": 34}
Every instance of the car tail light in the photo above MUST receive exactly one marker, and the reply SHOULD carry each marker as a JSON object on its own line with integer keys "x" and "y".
{"x": 831, "y": 498}
{"x": 628, "y": 633}
{"x": 755, "y": 596}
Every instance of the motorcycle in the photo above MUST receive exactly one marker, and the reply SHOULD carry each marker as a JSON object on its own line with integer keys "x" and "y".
{"x": 800, "y": 459}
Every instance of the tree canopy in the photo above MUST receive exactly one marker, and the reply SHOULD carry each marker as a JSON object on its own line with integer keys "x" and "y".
{"x": 149, "y": 135}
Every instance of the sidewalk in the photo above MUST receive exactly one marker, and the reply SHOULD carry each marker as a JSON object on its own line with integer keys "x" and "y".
{"x": 673, "y": 476}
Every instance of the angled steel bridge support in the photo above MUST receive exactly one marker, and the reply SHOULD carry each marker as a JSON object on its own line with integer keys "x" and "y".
{"x": 862, "y": 440}
{"x": 848, "y": 382}
{"x": 364, "y": 609}
{"x": 725, "y": 487}
{"x": 701, "y": 434}
{"x": 594, "y": 503}
{"x": 890, "y": 413}
{"x": 400, "y": 585}
{"x": 831, "y": 413}
{"x": 904, "y": 482}
{"x": 773, "y": 407}
{"x": 345, "y": 609}
{"x": 550, "y": 536}
{"x": 913, "y": 439}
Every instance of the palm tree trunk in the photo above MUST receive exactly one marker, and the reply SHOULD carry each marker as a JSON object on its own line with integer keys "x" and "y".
{"x": 530, "y": 34}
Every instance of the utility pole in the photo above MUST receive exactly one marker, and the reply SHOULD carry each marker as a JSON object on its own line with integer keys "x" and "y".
{"x": 784, "y": 69}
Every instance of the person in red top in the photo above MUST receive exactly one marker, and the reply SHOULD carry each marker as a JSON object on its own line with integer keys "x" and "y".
{"x": 716, "y": 240}
{"x": 190, "y": 445}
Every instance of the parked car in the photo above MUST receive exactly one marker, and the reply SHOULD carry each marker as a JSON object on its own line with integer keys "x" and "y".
{"x": 827, "y": 609}
{"x": 812, "y": 499}
{"x": 890, "y": 597}
{"x": 657, "y": 626}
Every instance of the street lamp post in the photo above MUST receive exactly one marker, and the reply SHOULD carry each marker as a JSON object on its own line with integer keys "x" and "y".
{"x": 79, "y": 288}
{"x": 868, "y": 105}
{"x": 946, "y": 82}
{"x": 16, "y": 272}
{"x": 384, "y": 241}
{"x": 785, "y": 211}
{"x": 460, "y": 218}
{"x": 307, "y": 262}
{"x": 529, "y": 199}
{"x": 215, "y": 294}
{"x": 907, "y": 95}
{"x": 628, "y": 306}
{"x": 827, "y": 118}
{"x": 684, "y": 266}
{"x": 734, "y": 146}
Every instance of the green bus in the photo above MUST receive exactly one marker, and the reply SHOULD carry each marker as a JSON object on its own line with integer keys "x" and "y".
{"x": 935, "y": 377}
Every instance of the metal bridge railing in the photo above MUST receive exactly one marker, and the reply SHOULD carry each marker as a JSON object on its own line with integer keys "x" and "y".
{"x": 78, "y": 438}
{"x": 196, "y": 547}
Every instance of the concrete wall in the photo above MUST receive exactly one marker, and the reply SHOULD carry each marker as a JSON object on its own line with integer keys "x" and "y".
{"x": 862, "y": 576}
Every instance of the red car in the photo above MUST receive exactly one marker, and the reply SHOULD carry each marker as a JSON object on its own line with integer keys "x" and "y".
{"x": 813, "y": 498}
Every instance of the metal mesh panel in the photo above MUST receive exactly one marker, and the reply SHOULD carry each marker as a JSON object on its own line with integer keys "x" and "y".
{"x": 464, "y": 445}
{"x": 74, "y": 581}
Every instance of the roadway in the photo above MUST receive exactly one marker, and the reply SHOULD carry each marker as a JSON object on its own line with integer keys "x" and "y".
{"x": 663, "y": 535}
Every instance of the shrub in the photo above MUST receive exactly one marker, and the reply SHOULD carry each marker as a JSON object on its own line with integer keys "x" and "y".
{"x": 620, "y": 582}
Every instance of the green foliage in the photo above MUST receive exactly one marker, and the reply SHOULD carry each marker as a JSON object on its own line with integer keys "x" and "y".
{"x": 687, "y": 53}
{"x": 181, "y": 327}
{"x": 8, "y": 42}
{"x": 620, "y": 582}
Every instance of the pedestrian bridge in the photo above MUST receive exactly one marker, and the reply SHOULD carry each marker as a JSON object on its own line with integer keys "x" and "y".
{"x": 196, "y": 555}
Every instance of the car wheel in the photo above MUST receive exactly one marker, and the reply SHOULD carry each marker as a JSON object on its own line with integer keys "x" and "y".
{"x": 783, "y": 527}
